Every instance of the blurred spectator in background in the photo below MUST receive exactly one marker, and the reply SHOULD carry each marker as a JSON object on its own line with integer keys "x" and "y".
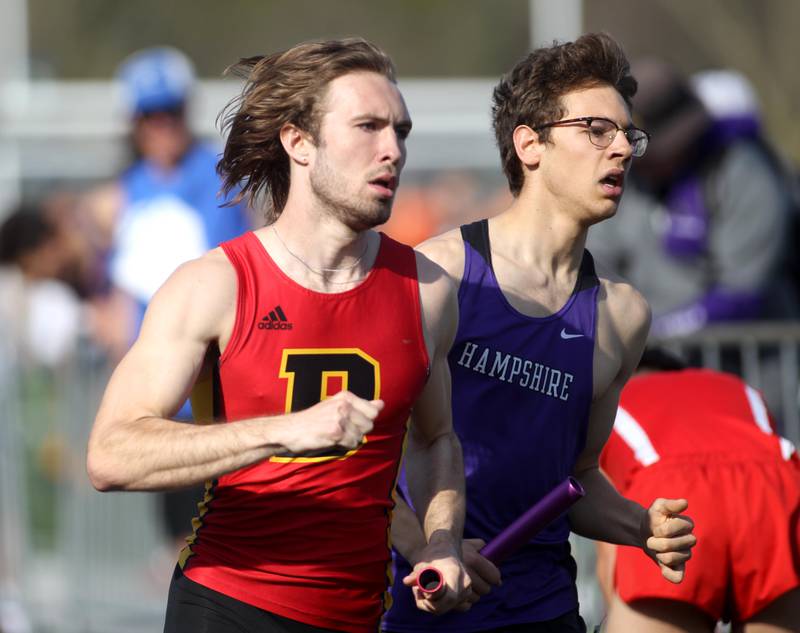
{"x": 41, "y": 314}
{"x": 703, "y": 230}
{"x": 708, "y": 435}
{"x": 164, "y": 210}
{"x": 41, "y": 319}
{"x": 733, "y": 104}
{"x": 168, "y": 209}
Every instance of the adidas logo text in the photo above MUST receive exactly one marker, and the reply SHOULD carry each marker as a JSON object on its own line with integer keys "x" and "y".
{"x": 275, "y": 320}
{"x": 271, "y": 325}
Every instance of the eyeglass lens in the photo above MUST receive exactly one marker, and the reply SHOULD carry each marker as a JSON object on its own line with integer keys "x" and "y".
{"x": 602, "y": 134}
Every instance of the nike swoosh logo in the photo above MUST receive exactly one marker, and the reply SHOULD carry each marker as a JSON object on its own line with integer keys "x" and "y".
{"x": 566, "y": 336}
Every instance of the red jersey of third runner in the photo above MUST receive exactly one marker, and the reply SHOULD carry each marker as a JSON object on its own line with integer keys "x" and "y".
{"x": 717, "y": 414}
{"x": 707, "y": 437}
{"x": 307, "y": 537}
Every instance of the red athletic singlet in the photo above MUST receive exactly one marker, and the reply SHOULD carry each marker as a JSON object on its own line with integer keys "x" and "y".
{"x": 307, "y": 538}
{"x": 707, "y": 437}
{"x": 709, "y": 414}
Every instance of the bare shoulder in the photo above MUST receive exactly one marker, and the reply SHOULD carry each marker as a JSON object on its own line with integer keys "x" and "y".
{"x": 437, "y": 289}
{"x": 447, "y": 250}
{"x": 622, "y": 328}
{"x": 438, "y": 303}
{"x": 198, "y": 299}
{"x": 623, "y": 304}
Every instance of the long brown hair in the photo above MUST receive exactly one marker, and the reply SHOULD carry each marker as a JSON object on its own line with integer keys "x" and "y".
{"x": 286, "y": 87}
{"x": 531, "y": 93}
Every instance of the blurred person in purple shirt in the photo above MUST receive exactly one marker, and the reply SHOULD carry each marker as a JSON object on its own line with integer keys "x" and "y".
{"x": 702, "y": 231}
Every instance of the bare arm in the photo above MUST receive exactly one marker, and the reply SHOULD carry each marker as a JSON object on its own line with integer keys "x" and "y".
{"x": 134, "y": 445}
{"x": 604, "y": 514}
{"x": 407, "y": 535}
{"x": 434, "y": 467}
{"x": 434, "y": 463}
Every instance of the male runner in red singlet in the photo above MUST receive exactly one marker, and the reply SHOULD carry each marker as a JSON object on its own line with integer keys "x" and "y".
{"x": 709, "y": 435}
{"x": 320, "y": 335}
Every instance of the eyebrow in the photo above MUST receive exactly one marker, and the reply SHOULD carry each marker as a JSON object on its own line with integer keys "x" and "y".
{"x": 630, "y": 126}
{"x": 404, "y": 123}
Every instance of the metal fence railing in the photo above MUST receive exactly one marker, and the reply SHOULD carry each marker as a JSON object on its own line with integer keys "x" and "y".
{"x": 77, "y": 561}
{"x": 82, "y": 562}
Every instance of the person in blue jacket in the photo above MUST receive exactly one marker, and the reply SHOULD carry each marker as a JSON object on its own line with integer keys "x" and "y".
{"x": 170, "y": 209}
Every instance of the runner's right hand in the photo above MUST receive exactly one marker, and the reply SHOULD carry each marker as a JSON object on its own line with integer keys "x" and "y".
{"x": 340, "y": 421}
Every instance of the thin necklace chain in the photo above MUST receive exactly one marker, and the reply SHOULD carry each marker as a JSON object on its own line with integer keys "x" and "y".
{"x": 322, "y": 271}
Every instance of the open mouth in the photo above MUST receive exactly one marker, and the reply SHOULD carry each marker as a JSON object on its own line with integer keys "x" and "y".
{"x": 386, "y": 184}
{"x": 613, "y": 182}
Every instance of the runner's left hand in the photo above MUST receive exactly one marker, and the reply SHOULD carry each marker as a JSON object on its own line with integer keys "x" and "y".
{"x": 668, "y": 536}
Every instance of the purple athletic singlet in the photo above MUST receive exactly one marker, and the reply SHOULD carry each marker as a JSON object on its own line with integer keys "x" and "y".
{"x": 522, "y": 388}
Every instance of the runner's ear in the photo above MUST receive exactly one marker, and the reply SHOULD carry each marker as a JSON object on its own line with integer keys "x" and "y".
{"x": 527, "y": 145}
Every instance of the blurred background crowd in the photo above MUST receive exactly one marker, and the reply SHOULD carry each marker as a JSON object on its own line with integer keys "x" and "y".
{"x": 108, "y": 147}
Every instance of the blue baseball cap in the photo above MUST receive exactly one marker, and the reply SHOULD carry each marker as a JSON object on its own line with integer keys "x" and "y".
{"x": 155, "y": 79}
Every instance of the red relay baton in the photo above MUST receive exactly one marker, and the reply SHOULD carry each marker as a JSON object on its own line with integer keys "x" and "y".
{"x": 550, "y": 507}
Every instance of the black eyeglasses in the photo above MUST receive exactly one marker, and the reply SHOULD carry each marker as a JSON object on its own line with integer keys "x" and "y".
{"x": 602, "y": 132}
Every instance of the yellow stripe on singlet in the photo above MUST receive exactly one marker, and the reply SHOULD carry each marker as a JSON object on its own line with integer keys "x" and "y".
{"x": 197, "y": 523}
{"x": 387, "y": 595}
{"x": 206, "y": 409}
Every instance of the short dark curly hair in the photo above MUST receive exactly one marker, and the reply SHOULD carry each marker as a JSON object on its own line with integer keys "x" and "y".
{"x": 531, "y": 93}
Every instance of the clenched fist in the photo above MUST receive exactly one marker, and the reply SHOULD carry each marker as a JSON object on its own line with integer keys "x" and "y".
{"x": 338, "y": 423}
{"x": 669, "y": 538}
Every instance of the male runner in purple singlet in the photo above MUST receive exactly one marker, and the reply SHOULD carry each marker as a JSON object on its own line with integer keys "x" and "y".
{"x": 543, "y": 348}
